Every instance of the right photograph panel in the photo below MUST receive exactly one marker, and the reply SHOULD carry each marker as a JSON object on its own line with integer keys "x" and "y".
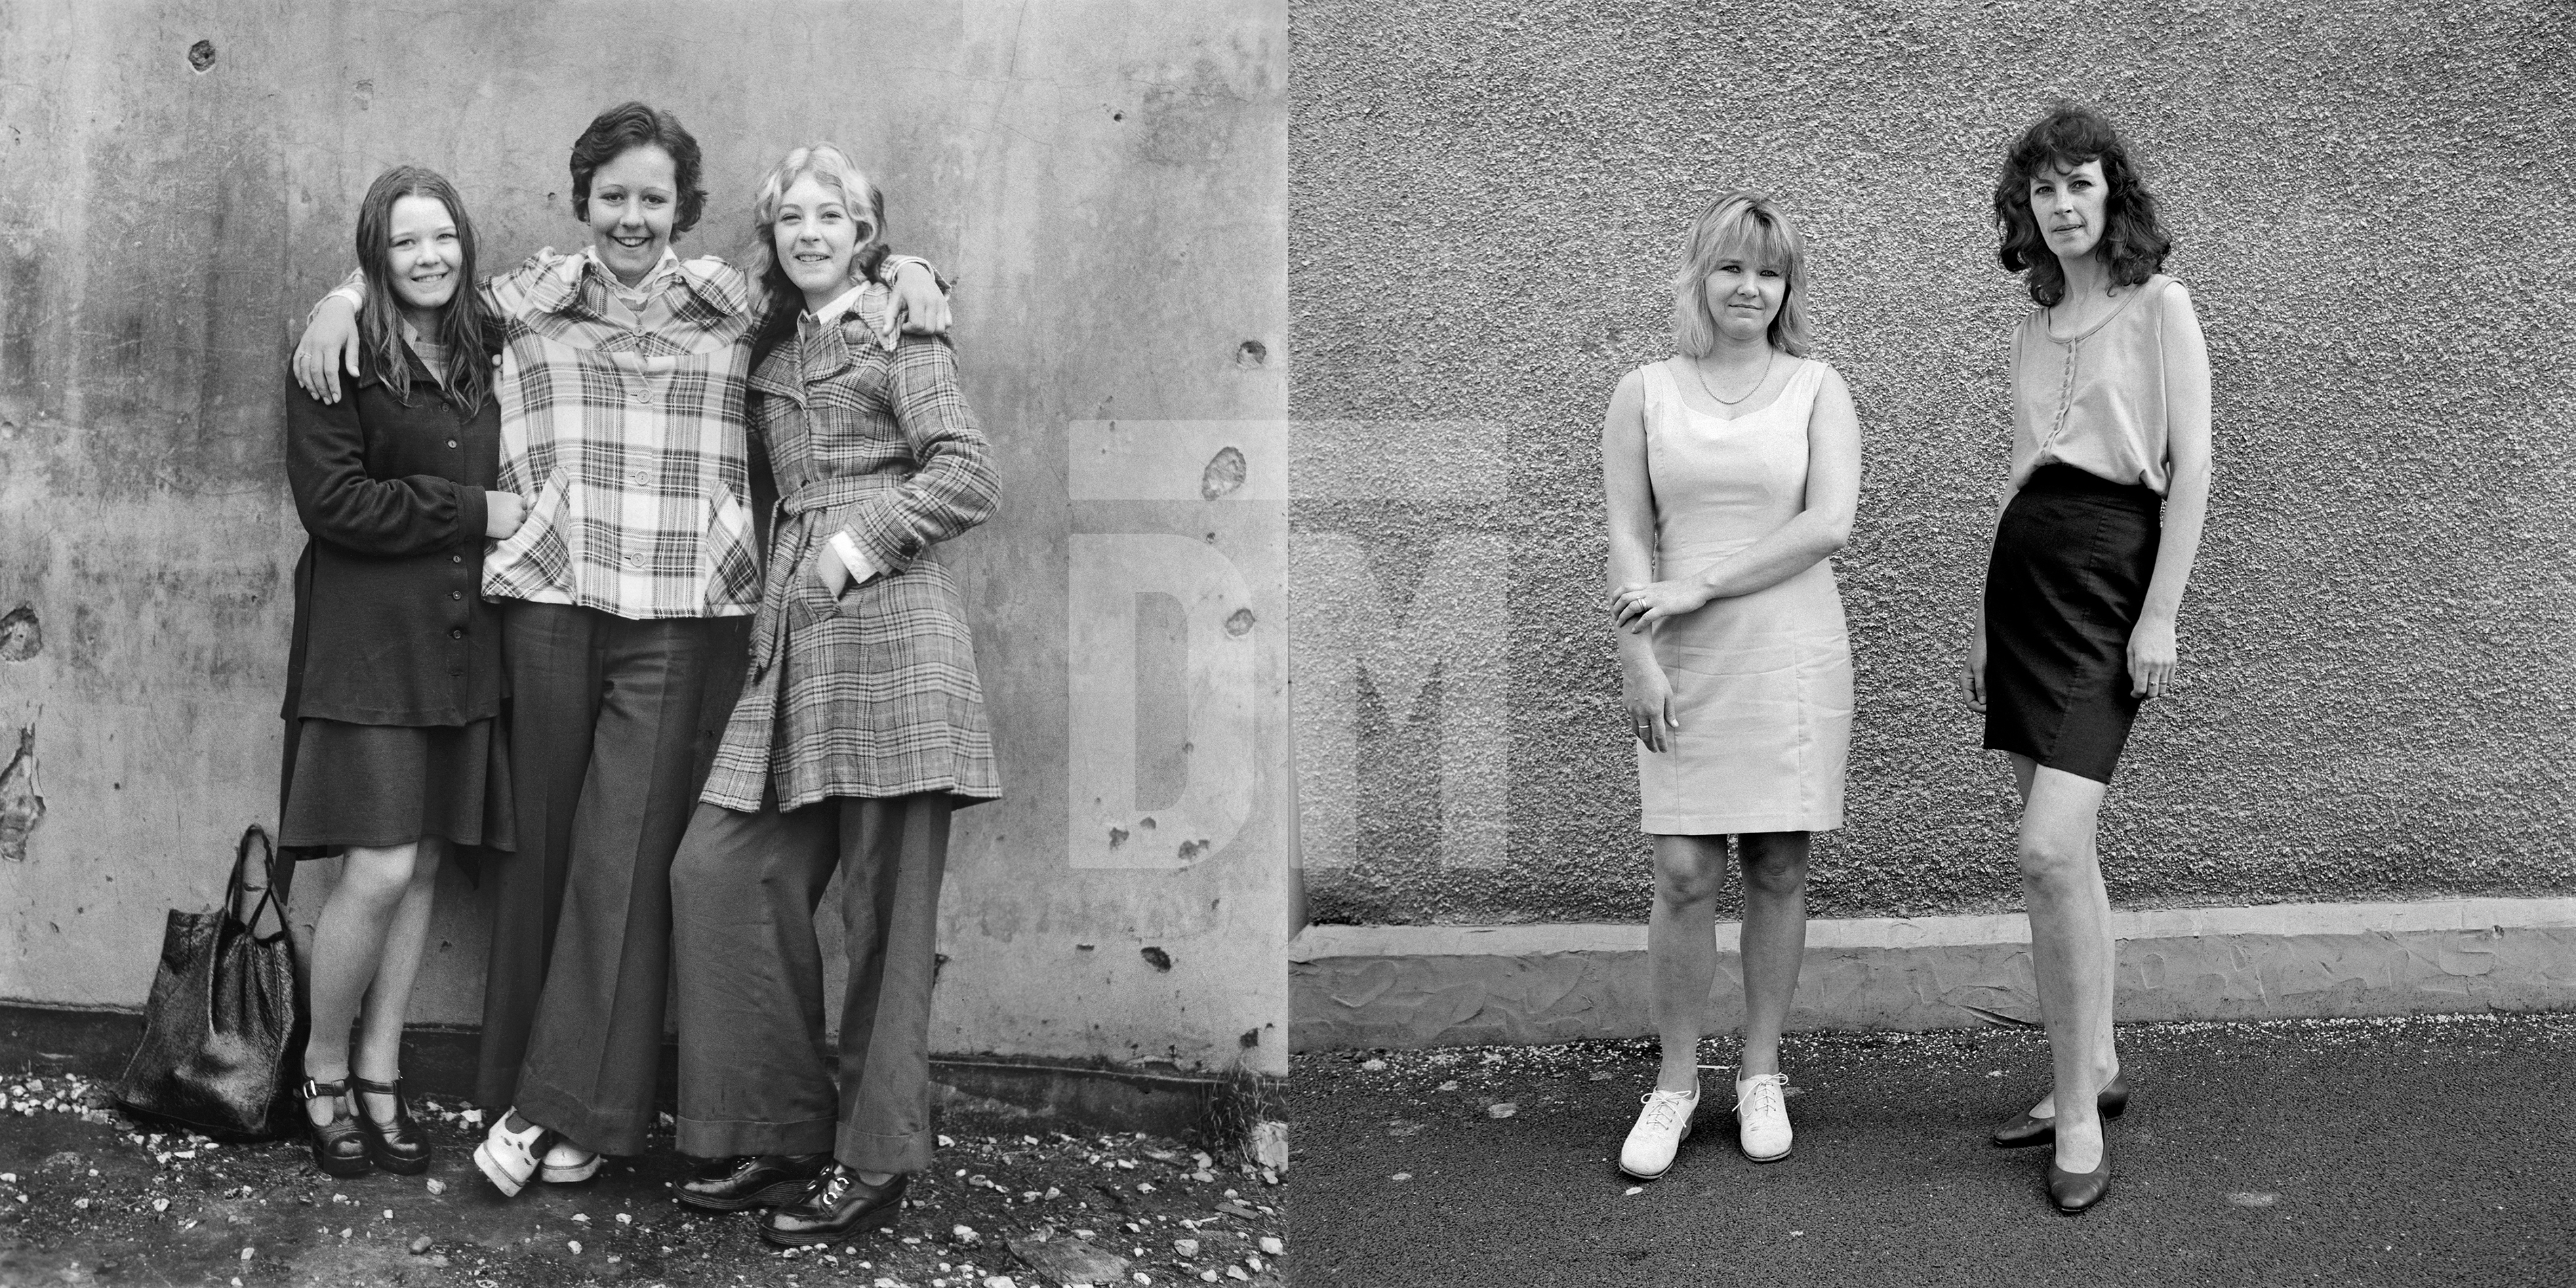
{"x": 1911, "y": 621}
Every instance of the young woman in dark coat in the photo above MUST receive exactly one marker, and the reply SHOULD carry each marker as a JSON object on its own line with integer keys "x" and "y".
{"x": 395, "y": 751}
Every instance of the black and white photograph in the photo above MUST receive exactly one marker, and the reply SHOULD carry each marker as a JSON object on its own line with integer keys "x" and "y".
{"x": 1082, "y": 643}
{"x": 598, "y": 689}
{"x": 1957, "y": 668}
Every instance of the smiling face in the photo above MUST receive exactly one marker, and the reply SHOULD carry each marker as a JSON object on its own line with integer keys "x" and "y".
{"x": 632, "y": 200}
{"x": 1744, "y": 293}
{"x": 424, "y": 256}
{"x": 817, "y": 235}
{"x": 2069, "y": 205}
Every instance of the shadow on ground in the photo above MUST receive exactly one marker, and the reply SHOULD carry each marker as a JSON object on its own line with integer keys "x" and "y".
{"x": 2425, "y": 1150}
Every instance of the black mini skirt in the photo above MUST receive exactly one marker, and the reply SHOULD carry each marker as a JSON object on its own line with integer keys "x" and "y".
{"x": 2069, "y": 574}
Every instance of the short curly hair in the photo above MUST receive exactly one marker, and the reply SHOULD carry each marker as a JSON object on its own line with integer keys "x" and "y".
{"x": 624, "y": 128}
{"x": 2134, "y": 241}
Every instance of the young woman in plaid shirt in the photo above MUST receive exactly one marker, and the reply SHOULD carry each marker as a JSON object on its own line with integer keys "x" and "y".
{"x": 621, "y": 393}
{"x": 861, "y": 728}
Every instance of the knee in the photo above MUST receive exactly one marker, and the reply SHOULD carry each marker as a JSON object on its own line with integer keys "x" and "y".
{"x": 1687, "y": 884}
{"x": 1780, "y": 871}
{"x": 377, "y": 876}
{"x": 2048, "y": 860}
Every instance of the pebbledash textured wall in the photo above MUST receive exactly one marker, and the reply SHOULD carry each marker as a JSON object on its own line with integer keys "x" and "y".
{"x": 179, "y": 182}
{"x": 2371, "y": 205}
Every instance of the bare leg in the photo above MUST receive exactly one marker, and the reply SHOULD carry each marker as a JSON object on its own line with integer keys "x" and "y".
{"x": 348, "y": 945}
{"x": 380, "y": 1018}
{"x": 2071, "y": 949}
{"x": 1681, "y": 949}
{"x": 1774, "y": 940}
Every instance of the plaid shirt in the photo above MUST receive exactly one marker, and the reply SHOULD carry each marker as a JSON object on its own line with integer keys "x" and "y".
{"x": 624, "y": 429}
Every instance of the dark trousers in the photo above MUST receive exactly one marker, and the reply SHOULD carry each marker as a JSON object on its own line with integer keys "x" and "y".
{"x": 610, "y": 718}
{"x": 752, "y": 1073}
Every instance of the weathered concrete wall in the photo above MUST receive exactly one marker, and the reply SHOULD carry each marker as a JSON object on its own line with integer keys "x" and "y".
{"x": 1103, "y": 176}
{"x": 2371, "y": 205}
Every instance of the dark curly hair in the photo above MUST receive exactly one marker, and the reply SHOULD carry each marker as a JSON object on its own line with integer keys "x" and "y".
{"x": 622, "y": 129}
{"x": 2134, "y": 242}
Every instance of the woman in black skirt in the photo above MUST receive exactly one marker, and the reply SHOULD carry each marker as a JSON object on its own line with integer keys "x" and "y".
{"x": 2101, "y": 517}
{"x": 394, "y": 746}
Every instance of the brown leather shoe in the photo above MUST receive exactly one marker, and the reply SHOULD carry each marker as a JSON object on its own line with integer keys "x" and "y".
{"x": 752, "y": 1180}
{"x": 836, "y": 1205}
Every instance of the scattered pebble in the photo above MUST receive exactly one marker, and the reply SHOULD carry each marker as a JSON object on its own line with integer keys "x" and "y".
{"x": 1504, "y": 1110}
{"x": 420, "y": 1245}
{"x": 1271, "y": 1245}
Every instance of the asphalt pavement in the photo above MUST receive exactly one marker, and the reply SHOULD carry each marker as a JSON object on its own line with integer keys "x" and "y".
{"x": 2424, "y": 1150}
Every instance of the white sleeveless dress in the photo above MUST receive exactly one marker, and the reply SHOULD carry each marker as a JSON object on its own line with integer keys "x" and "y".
{"x": 1762, "y": 683}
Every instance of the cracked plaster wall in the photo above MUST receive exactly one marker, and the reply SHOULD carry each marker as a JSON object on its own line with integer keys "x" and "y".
{"x": 180, "y": 184}
{"x": 2371, "y": 207}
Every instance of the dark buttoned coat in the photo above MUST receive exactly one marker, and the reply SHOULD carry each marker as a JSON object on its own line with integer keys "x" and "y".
{"x": 875, "y": 694}
{"x": 390, "y": 623}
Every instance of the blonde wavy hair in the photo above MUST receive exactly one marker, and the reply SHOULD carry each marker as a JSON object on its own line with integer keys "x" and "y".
{"x": 1742, "y": 225}
{"x": 775, "y": 299}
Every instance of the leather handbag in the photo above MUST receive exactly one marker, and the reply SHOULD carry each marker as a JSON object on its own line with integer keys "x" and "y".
{"x": 221, "y": 1028}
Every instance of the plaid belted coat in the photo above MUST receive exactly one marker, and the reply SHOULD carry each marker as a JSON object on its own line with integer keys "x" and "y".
{"x": 874, "y": 695}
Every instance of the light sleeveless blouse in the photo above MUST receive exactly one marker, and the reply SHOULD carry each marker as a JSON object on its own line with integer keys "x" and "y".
{"x": 2095, "y": 400}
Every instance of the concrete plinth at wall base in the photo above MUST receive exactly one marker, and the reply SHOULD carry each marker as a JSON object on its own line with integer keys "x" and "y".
{"x": 1361, "y": 987}
{"x": 97, "y": 1043}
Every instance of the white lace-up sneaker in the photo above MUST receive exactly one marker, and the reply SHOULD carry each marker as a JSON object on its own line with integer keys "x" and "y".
{"x": 1762, "y": 1116}
{"x": 567, "y": 1163}
{"x": 1661, "y": 1127}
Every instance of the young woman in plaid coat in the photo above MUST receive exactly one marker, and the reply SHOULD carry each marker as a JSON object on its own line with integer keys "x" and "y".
{"x": 860, "y": 727}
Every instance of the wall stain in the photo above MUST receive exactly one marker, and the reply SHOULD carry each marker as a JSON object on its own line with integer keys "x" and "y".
{"x": 21, "y": 635}
{"x": 1223, "y": 475}
{"x": 22, "y": 805}
{"x": 201, "y": 56}
{"x": 1156, "y": 958}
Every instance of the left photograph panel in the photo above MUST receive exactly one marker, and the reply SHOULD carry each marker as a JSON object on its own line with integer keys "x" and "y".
{"x": 644, "y": 643}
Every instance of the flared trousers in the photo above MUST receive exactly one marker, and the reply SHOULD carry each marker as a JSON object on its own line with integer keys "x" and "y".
{"x": 753, "y": 1072}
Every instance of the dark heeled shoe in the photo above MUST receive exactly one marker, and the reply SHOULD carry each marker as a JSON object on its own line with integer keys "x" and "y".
{"x": 2073, "y": 1192}
{"x": 395, "y": 1144}
{"x": 338, "y": 1147}
{"x": 2021, "y": 1129}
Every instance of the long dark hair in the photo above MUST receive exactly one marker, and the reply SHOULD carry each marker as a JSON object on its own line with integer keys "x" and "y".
{"x": 2134, "y": 241}
{"x": 775, "y": 299}
{"x": 459, "y": 326}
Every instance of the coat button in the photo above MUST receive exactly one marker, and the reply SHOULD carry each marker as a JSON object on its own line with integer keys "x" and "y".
{"x": 451, "y": 442}
{"x": 456, "y": 594}
{"x": 456, "y": 635}
{"x": 456, "y": 559}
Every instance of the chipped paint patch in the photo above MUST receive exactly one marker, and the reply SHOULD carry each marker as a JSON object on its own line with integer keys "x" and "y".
{"x": 21, "y": 635}
{"x": 22, "y": 804}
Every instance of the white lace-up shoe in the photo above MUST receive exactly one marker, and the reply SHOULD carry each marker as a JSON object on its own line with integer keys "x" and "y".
{"x": 508, "y": 1158}
{"x": 1660, "y": 1128}
{"x": 567, "y": 1163}
{"x": 1762, "y": 1116}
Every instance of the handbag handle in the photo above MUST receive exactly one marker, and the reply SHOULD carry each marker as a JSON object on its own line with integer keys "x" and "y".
{"x": 234, "y": 888}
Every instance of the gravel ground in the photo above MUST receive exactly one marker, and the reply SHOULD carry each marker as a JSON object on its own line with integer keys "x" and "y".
{"x": 2423, "y": 1150}
{"x": 87, "y": 1197}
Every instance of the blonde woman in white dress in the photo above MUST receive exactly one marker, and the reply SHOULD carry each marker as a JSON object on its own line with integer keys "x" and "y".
{"x": 1732, "y": 470}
